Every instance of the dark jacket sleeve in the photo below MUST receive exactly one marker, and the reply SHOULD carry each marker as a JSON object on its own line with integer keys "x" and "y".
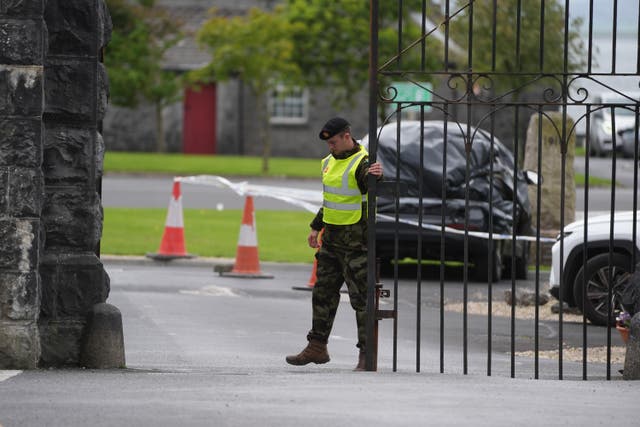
{"x": 317, "y": 223}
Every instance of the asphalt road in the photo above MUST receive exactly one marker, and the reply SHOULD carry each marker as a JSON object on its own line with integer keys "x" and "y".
{"x": 155, "y": 191}
{"x": 205, "y": 350}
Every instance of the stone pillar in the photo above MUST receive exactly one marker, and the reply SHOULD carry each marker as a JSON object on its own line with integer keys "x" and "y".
{"x": 73, "y": 278}
{"x": 22, "y": 49}
{"x": 551, "y": 170}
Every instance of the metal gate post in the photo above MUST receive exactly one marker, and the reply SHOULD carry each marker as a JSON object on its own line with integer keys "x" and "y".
{"x": 372, "y": 350}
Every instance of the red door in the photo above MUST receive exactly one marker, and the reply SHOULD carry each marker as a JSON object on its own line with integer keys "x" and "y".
{"x": 199, "y": 127}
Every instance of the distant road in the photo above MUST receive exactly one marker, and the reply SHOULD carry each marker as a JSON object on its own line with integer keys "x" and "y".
{"x": 154, "y": 191}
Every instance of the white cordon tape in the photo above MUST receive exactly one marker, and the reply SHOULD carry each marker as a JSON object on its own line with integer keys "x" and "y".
{"x": 312, "y": 200}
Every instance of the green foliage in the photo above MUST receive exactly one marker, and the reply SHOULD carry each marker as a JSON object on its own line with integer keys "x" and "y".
{"x": 518, "y": 54}
{"x": 142, "y": 33}
{"x": 255, "y": 47}
{"x": 332, "y": 42}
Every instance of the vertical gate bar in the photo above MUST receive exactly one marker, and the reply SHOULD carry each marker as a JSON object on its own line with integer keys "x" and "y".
{"x": 611, "y": 234}
{"x": 465, "y": 332}
{"x": 371, "y": 353}
{"x": 447, "y": 10}
{"x": 563, "y": 160}
{"x": 614, "y": 37}
{"x": 634, "y": 259}
{"x": 518, "y": 29}
{"x": 541, "y": 42}
{"x": 637, "y": 53}
{"x": 446, "y": 42}
{"x": 590, "y": 41}
{"x": 423, "y": 42}
{"x": 494, "y": 31}
{"x": 398, "y": 56}
{"x": 516, "y": 143}
{"x": 396, "y": 231}
{"x": 490, "y": 282}
{"x": 586, "y": 239}
{"x": 536, "y": 356}
{"x": 419, "y": 269}
{"x": 442, "y": 231}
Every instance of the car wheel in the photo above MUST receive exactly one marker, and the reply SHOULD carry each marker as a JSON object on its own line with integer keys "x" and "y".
{"x": 481, "y": 266}
{"x": 595, "y": 305}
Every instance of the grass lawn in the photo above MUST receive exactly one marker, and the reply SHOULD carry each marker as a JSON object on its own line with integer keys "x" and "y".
{"x": 208, "y": 233}
{"x": 185, "y": 164}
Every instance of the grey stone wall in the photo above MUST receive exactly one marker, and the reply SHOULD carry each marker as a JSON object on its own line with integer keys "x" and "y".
{"x": 53, "y": 93}
{"x": 22, "y": 47}
{"x": 73, "y": 278}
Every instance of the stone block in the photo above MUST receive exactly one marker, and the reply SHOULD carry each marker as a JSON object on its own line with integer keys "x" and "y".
{"x": 20, "y": 90}
{"x": 19, "y": 244}
{"x": 21, "y": 41}
{"x": 70, "y": 90}
{"x": 72, "y": 27}
{"x": 21, "y": 142}
{"x": 71, "y": 285}
{"x": 632, "y": 356}
{"x": 102, "y": 93}
{"x": 19, "y": 296}
{"x": 4, "y": 191}
{"x": 103, "y": 341}
{"x": 19, "y": 345}
{"x": 99, "y": 155}
{"x": 68, "y": 155}
{"x": 22, "y": 8}
{"x": 60, "y": 342}
{"x": 26, "y": 191}
{"x": 105, "y": 25}
{"x": 72, "y": 218}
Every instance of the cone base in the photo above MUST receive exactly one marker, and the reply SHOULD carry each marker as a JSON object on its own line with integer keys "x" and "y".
{"x": 302, "y": 288}
{"x": 258, "y": 275}
{"x": 169, "y": 257}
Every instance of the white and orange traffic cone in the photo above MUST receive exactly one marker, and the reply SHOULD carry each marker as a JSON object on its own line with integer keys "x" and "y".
{"x": 247, "y": 263}
{"x": 172, "y": 245}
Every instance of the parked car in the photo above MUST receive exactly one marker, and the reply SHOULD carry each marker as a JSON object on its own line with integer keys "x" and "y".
{"x": 603, "y": 269}
{"x": 424, "y": 190}
{"x": 627, "y": 142}
{"x": 600, "y": 133}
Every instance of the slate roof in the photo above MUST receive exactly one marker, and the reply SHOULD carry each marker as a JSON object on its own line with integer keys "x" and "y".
{"x": 186, "y": 55}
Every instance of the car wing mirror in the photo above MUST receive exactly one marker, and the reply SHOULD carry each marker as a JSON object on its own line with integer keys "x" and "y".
{"x": 532, "y": 177}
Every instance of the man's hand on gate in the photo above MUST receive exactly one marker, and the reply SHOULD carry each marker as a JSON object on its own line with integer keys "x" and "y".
{"x": 313, "y": 239}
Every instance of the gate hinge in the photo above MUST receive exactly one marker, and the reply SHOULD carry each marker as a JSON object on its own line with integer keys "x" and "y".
{"x": 385, "y": 314}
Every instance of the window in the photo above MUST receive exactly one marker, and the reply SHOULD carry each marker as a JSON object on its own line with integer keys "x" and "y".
{"x": 289, "y": 105}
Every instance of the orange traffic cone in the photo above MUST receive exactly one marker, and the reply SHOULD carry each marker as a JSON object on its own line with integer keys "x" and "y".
{"x": 314, "y": 277}
{"x": 172, "y": 245}
{"x": 247, "y": 263}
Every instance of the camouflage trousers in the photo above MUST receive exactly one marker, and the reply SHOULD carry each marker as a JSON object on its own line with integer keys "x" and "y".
{"x": 335, "y": 267}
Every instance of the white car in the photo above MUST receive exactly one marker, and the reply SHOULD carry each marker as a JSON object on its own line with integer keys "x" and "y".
{"x": 601, "y": 268}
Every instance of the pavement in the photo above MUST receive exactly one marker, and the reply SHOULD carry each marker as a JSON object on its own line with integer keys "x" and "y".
{"x": 205, "y": 350}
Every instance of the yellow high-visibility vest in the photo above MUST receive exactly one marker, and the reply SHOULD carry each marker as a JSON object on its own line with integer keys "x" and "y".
{"x": 342, "y": 204}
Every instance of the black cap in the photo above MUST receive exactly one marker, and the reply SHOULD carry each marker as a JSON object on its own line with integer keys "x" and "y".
{"x": 333, "y": 127}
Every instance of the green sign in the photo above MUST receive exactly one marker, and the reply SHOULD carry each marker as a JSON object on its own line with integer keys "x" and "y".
{"x": 408, "y": 93}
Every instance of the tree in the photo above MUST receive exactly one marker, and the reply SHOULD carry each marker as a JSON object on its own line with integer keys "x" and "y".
{"x": 142, "y": 33}
{"x": 256, "y": 48}
{"x": 519, "y": 60}
{"x": 332, "y": 42}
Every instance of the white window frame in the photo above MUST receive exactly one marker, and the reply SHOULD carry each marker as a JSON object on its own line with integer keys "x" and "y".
{"x": 276, "y": 96}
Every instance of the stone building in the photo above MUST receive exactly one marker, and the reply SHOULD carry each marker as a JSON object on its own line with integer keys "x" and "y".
{"x": 236, "y": 126}
{"x": 53, "y": 96}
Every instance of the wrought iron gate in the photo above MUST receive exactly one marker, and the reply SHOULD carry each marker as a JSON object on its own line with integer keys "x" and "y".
{"x": 479, "y": 83}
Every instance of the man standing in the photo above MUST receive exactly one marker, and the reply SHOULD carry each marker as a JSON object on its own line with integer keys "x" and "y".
{"x": 342, "y": 257}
